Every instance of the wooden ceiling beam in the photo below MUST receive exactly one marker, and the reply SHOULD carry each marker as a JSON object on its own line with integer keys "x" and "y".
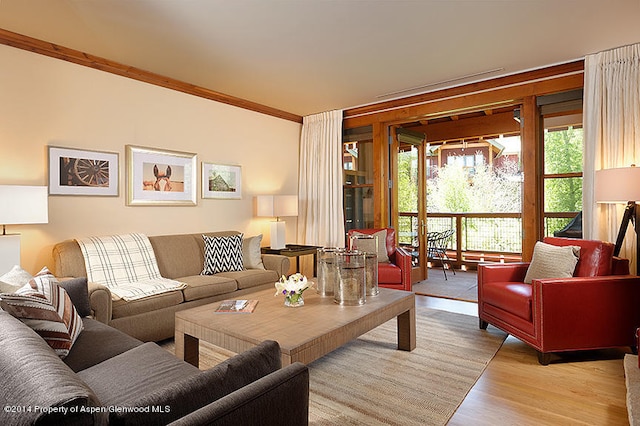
{"x": 475, "y": 127}
{"x": 60, "y": 52}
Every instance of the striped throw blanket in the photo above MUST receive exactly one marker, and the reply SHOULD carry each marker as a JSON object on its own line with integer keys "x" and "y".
{"x": 126, "y": 264}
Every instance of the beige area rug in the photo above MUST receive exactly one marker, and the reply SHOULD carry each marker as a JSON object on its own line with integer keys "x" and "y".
{"x": 461, "y": 286}
{"x": 369, "y": 382}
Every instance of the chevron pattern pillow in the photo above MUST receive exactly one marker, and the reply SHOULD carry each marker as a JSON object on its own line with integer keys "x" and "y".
{"x": 222, "y": 254}
{"x": 46, "y": 307}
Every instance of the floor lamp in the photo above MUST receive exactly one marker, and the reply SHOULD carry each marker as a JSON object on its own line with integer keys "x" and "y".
{"x": 277, "y": 206}
{"x": 621, "y": 185}
{"x": 19, "y": 205}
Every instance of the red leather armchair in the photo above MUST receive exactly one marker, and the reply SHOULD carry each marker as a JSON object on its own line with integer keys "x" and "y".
{"x": 397, "y": 272}
{"x": 596, "y": 308}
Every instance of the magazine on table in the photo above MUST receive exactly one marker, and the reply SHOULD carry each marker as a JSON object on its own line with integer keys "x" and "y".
{"x": 237, "y": 306}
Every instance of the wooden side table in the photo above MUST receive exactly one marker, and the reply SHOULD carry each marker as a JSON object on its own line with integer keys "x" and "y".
{"x": 295, "y": 250}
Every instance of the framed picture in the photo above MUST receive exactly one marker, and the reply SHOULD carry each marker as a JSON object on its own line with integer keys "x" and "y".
{"x": 158, "y": 177}
{"x": 221, "y": 181}
{"x": 82, "y": 172}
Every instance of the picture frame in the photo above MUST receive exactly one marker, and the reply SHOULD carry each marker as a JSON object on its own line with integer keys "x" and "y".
{"x": 74, "y": 171}
{"x": 159, "y": 177}
{"x": 221, "y": 181}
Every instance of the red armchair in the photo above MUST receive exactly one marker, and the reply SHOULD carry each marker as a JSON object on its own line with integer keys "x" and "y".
{"x": 597, "y": 308}
{"x": 397, "y": 272}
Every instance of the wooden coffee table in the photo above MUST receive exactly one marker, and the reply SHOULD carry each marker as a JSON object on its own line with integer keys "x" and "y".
{"x": 304, "y": 333}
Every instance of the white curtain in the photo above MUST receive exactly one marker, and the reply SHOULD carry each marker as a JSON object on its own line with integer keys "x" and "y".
{"x": 320, "y": 216}
{"x": 611, "y": 135}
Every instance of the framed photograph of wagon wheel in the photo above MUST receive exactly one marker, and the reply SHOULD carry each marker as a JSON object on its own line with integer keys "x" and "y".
{"x": 82, "y": 172}
{"x": 158, "y": 177}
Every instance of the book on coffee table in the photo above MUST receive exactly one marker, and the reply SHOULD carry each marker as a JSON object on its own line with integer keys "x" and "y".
{"x": 237, "y": 306}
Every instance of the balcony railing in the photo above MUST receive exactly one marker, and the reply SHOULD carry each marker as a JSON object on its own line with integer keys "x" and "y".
{"x": 478, "y": 236}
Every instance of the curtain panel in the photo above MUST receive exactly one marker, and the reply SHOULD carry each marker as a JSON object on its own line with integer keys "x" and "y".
{"x": 320, "y": 216}
{"x": 611, "y": 135}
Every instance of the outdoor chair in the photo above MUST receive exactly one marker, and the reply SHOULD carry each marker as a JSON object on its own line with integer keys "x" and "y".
{"x": 595, "y": 306}
{"x": 394, "y": 263}
{"x": 437, "y": 244}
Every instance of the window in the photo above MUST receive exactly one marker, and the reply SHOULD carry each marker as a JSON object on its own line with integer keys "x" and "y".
{"x": 563, "y": 149}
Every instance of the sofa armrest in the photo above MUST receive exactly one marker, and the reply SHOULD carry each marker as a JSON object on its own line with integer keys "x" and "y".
{"x": 34, "y": 376}
{"x": 260, "y": 402}
{"x": 402, "y": 259}
{"x": 100, "y": 301}
{"x": 602, "y": 310}
{"x": 276, "y": 262}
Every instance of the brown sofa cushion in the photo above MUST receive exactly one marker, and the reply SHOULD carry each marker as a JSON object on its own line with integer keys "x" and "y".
{"x": 177, "y": 255}
{"x": 251, "y": 277}
{"x": 185, "y": 396}
{"x": 201, "y": 286}
{"x": 98, "y": 342}
{"x": 123, "y": 379}
{"x": 140, "y": 306}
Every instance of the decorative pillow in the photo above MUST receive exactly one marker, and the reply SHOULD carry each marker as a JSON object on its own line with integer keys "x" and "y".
{"x": 368, "y": 245}
{"x": 222, "y": 254}
{"x": 251, "y": 255}
{"x": 45, "y": 307}
{"x": 16, "y": 277}
{"x": 551, "y": 261}
{"x": 78, "y": 292}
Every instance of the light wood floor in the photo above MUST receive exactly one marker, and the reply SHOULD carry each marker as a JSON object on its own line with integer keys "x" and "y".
{"x": 578, "y": 389}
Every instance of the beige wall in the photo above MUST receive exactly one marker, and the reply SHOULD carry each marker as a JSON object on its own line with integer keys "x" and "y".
{"x": 45, "y": 101}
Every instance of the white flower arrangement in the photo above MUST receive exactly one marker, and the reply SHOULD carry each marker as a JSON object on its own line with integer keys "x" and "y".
{"x": 293, "y": 287}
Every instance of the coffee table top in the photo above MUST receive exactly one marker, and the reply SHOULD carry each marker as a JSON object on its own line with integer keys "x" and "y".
{"x": 320, "y": 321}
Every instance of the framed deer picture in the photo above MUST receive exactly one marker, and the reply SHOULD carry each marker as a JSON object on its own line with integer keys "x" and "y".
{"x": 157, "y": 177}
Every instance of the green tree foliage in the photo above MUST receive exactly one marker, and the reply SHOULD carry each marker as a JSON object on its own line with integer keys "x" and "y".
{"x": 563, "y": 154}
{"x": 408, "y": 181}
{"x": 456, "y": 189}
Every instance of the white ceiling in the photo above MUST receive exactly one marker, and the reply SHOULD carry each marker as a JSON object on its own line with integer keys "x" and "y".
{"x": 308, "y": 56}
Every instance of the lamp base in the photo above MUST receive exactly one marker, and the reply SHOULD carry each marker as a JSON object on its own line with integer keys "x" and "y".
{"x": 277, "y": 235}
{"x": 9, "y": 252}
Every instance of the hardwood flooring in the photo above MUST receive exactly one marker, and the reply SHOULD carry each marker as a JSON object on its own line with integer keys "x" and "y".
{"x": 577, "y": 389}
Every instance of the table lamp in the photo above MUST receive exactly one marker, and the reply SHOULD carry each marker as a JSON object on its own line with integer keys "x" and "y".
{"x": 621, "y": 185}
{"x": 277, "y": 206}
{"x": 19, "y": 205}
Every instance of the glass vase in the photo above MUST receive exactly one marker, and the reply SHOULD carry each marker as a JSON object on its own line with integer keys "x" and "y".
{"x": 294, "y": 300}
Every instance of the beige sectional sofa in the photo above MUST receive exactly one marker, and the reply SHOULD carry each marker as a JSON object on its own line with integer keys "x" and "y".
{"x": 179, "y": 257}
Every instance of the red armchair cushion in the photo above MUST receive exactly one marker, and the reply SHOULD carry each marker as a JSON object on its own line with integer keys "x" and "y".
{"x": 512, "y": 297}
{"x": 595, "y": 256}
{"x": 388, "y": 273}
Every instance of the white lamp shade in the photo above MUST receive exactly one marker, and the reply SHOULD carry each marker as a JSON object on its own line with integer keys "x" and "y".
{"x": 264, "y": 206}
{"x": 276, "y": 205}
{"x": 23, "y": 205}
{"x": 285, "y": 205}
{"x": 619, "y": 185}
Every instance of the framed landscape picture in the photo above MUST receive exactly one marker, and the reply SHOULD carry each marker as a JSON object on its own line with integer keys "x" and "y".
{"x": 157, "y": 177}
{"x": 82, "y": 172}
{"x": 221, "y": 181}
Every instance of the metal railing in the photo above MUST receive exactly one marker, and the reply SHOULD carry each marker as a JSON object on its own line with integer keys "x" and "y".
{"x": 478, "y": 236}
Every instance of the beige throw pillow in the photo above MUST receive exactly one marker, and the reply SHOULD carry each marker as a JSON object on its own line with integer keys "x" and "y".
{"x": 551, "y": 261}
{"x": 368, "y": 245}
{"x": 251, "y": 254}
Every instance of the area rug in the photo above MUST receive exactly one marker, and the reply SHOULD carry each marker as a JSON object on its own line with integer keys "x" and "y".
{"x": 461, "y": 286}
{"x": 369, "y": 382}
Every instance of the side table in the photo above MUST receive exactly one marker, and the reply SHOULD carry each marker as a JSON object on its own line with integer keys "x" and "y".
{"x": 295, "y": 250}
